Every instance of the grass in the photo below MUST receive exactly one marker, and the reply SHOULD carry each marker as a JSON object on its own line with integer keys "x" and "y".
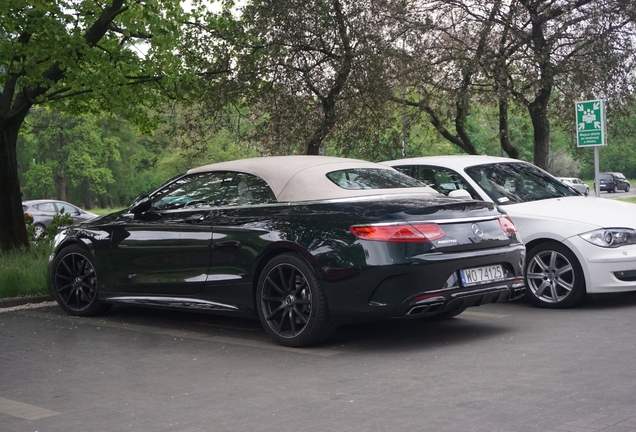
{"x": 23, "y": 272}
{"x": 628, "y": 199}
{"x": 103, "y": 211}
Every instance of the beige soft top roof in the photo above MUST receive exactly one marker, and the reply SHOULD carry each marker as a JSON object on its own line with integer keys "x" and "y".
{"x": 303, "y": 178}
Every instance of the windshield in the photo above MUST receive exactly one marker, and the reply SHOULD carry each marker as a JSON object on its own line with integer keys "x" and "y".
{"x": 510, "y": 183}
{"x": 372, "y": 178}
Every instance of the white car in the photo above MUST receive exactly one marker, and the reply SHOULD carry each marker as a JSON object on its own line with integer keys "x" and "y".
{"x": 575, "y": 244}
{"x": 576, "y": 183}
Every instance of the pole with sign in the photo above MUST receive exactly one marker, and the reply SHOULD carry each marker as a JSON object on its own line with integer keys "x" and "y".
{"x": 590, "y": 130}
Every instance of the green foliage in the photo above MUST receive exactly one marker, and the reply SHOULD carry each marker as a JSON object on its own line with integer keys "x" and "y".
{"x": 59, "y": 221}
{"x": 23, "y": 271}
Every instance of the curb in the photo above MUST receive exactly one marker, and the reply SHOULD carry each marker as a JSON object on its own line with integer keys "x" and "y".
{"x": 19, "y": 301}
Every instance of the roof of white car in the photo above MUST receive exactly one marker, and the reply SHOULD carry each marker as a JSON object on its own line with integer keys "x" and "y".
{"x": 304, "y": 178}
{"x": 451, "y": 161}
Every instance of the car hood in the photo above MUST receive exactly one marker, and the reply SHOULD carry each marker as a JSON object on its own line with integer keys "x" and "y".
{"x": 578, "y": 211}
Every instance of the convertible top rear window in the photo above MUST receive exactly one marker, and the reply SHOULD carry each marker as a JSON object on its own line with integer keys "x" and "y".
{"x": 372, "y": 178}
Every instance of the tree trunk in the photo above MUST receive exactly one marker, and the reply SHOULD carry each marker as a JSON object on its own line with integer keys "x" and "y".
{"x": 60, "y": 188}
{"x": 504, "y": 138}
{"x": 541, "y": 125}
{"x": 13, "y": 233}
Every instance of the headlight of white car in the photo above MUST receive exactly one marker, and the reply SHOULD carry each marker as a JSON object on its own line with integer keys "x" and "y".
{"x": 610, "y": 237}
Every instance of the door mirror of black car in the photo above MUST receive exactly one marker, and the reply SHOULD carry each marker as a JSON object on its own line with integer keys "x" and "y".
{"x": 141, "y": 204}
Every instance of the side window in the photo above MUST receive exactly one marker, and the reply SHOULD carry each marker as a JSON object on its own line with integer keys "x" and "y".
{"x": 444, "y": 180}
{"x": 194, "y": 191}
{"x": 46, "y": 207}
{"x": 66, "y": 208}
{"x": 405, "y": 169}
{"x": 247, "y": 189}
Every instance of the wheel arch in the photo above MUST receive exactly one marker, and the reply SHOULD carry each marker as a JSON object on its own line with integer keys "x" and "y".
{"x": 574, "y": 251}
{"x": 277, "y": 249}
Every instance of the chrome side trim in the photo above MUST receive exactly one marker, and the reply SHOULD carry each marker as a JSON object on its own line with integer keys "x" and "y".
{"x": 177, "y": 302}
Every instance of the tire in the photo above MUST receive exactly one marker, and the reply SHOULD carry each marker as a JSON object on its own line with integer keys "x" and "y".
{"x": 554, "y": 277}
{"x": 614, "y": 188}
{"x": 75, "y": 282}
{"x": 587, "y": 191}
{"x": 291, "y": 302}
{"x": 627, "y": 188}
{"x": 39, "y": 230}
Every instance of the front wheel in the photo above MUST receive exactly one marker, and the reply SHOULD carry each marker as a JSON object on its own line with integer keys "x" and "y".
{"x": 627, "y": 188}
{"x": 587, "y": 191}
{"x": 75, "y": 282}
{"x": 291, "y": 302}
{"x": 554, "y": 276}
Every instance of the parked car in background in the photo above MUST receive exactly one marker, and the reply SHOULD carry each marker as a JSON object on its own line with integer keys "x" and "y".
{"x": 613, "y": 182}
{"x": 323, "y": 241}
{"x": 43, "y": 211}
{"x": 576, "y": 244}
{"x": 577, "y": 184}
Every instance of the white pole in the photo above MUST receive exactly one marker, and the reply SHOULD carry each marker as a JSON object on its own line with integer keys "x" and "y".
{"x": 597, "y": 191}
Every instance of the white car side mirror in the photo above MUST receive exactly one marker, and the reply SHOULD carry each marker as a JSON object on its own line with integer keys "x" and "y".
{"x": 460, "y": 193}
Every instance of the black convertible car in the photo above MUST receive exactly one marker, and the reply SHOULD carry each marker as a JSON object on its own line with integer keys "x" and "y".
{"x": 304, "y": 243}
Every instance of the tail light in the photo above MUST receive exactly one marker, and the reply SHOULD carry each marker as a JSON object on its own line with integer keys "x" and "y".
{"x": 507, "y": 225}
{"x": 403, "y": 233}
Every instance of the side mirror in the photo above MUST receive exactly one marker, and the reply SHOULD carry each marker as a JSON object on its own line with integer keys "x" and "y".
{"x": 460, "y": 193}
{"x": 141, "y": 204}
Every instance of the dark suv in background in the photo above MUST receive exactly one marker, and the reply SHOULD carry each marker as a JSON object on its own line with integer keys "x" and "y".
{"x": 613, "y": 182}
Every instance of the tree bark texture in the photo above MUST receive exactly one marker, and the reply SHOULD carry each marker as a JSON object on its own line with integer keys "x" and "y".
{"x": 13, "y": 233}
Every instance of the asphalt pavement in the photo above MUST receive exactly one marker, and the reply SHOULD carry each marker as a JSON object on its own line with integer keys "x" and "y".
{"x": 499, "y": 367}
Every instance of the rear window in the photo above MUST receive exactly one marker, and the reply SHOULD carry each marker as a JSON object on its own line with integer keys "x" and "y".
{"x": 605, "y": 176}
{"x": 372, "y": 178}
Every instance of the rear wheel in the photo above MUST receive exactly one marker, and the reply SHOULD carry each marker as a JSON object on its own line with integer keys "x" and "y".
{"x": 614, "y": 188}
{"x": 291, "y": 302}
{"x": 554, "y": 276}
{"x": 75, "y": 282}
{"x": 39, "y": 230}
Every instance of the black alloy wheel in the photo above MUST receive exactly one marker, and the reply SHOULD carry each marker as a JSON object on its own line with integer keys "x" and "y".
{"x": 75, "y": 282}
{"x": 554, "y": 276}
{"x": 291, "y": 303}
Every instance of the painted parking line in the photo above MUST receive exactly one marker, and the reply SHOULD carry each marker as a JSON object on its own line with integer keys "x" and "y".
{"x": 100, "y": 322}
{"x": 24, "y": 411}
{"x": 483, "y": 314}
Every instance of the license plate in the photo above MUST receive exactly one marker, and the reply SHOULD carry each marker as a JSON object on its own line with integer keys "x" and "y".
{"x": 478, "y": 275}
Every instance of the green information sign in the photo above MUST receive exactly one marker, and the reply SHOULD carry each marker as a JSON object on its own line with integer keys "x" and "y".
{"x": 590, "y": 123}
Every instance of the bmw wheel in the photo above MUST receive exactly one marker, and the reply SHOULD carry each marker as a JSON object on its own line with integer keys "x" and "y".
{"x": 75, "y": 282}
{"x": 554, "y": 276}
{"x": 291, "y": 302}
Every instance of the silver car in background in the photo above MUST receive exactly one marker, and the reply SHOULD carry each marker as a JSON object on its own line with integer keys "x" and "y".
{"x": 43, "y": 211}
{"x": 577, "y": 184}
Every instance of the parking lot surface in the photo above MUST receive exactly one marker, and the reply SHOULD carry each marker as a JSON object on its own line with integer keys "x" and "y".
{"x": 498, "y": 367}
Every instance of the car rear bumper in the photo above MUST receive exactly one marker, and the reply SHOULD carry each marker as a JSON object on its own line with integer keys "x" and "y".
{"x": 428, "y": 287}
